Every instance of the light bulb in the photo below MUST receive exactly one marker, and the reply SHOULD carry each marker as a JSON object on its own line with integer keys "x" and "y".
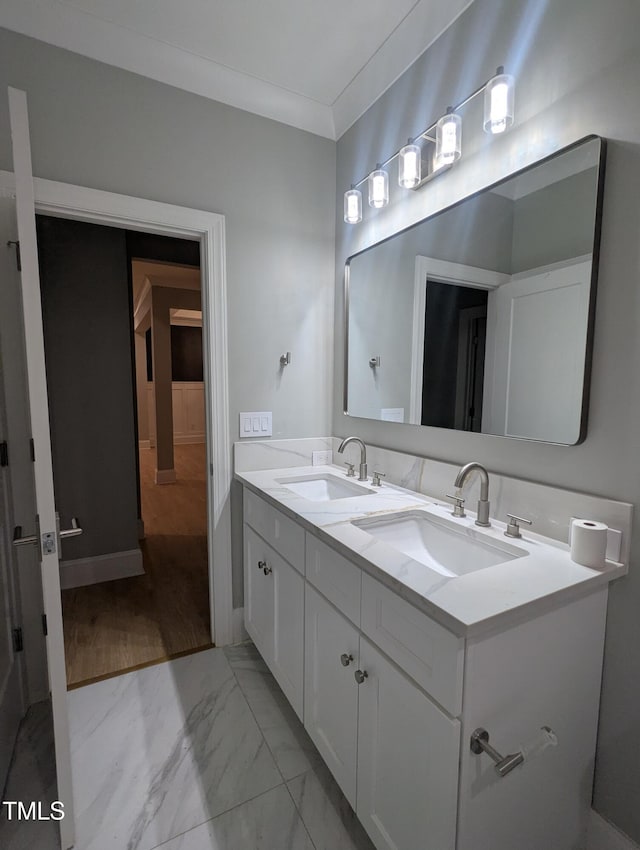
{"x": 498, "y": 102}
{"x": 378, "y": 188}
{"x": 448, "y": 139}
{"x": 409, "y": 166}
{"x": 353, "y": 206}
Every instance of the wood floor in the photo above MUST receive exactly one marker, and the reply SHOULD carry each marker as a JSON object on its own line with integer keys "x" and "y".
{"x": 118, "y": 625}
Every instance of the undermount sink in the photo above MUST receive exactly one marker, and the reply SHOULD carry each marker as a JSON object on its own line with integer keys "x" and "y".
{"x": 324, "y": 487}
{"x": 438, "y": 543}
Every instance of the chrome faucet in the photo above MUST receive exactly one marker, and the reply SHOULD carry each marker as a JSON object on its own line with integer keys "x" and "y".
{"x": 363, "y": 454}
{"x": 483, "y": 501}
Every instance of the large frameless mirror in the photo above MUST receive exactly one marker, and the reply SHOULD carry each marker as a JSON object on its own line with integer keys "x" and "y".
{"x": 480, "y": 317}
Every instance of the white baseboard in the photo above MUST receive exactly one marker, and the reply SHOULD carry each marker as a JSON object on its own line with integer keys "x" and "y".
{"x": 187, "y": 439}
{"x": 602, "y": 835}
{"x": 237, "y": 626}
{"x": 115, "y": 565}
{"x": 178, "y": 440}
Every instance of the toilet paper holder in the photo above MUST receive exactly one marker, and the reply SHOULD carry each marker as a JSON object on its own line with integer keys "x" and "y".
{"x": 479, "y": 743}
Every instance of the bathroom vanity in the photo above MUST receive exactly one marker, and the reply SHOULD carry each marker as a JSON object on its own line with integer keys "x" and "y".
{"x": 396, "y": 631}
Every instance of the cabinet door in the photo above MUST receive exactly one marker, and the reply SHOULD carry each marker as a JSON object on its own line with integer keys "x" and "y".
{"x": 407, "y": 761}
{"x": 258, "y": 591}
{"x": 288, "y": 631}
{"x": 331, "y": 692}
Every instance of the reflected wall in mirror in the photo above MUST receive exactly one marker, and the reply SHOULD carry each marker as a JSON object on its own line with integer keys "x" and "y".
{"x": 480, "y": 317}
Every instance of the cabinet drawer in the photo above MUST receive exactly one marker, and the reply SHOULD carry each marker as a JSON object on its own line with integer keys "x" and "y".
{"x": 335, "y": 577}
{"x": 286, "y": 536}
{"x": 425, "y": 650}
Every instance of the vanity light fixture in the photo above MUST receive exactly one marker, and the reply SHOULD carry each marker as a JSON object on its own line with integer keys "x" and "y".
{"x": 378, "y": 188}
{"x": 498, "y": 102}
{"x": 409, "y": 165}
{"x": 353, "y": 205}
{"x": 498, "y": 117}
{"x": 448, "y": 139}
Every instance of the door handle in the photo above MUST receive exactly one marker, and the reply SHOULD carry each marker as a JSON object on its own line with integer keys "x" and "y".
{"x": 74, "y": 531}
{"x": 19, "y": 540}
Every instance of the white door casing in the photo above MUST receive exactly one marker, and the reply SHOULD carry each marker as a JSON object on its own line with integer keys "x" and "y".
{"x": 43, "y": 471}
{"x": 442, "y": 271}
{"x": 83, "y": 204}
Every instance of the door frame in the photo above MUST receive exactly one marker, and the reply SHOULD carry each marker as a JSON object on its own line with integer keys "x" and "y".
{"x": 441, "y": 271}
{"x": 93, "y": 205}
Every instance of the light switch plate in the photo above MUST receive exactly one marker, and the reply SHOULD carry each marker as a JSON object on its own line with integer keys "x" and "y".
{"x": 255, "y": 424}
{"x": 321, "y": 458}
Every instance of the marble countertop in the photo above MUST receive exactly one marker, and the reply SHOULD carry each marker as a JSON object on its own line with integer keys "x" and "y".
{"x": 542, "y": 576}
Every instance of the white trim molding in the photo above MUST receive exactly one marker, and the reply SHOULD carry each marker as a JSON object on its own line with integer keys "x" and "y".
{"x": 83, "y": 204}
{"x": 444, "y": 272}
{"x": 601, "y": 835}
{"x": 114, "y": 565}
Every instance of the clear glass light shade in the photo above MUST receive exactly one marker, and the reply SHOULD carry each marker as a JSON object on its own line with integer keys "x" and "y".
{"x": 498, "y": 103}
{"x": 353, "y": 206}
{"x": 409, "y": 166}
{"x": 378, "y": 188}
{"x": 448, "y": 139}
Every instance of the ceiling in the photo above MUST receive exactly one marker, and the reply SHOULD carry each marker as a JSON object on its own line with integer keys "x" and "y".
{"x": 314, "y": 65}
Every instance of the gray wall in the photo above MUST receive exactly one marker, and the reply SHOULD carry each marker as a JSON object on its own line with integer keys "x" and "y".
{"x": 577, "y": 64}
{"x": 98, "y": 126}
{"x": 555, "y": 223}
{"x": 105, "y": 128}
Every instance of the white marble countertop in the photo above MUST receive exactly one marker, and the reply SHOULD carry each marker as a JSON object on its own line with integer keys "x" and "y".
{"x": 543, "y": 575}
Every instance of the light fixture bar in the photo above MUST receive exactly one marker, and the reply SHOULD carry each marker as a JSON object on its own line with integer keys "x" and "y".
{"x": 425, "y": 133}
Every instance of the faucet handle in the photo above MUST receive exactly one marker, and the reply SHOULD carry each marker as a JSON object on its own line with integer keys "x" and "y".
{"x": 375, "y": 478}
{"x": 513, "y": 527}
{"x": 351, "y": 469}
{"x": 458, "y": 509}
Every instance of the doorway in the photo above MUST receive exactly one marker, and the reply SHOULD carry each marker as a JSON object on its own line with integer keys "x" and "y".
{"x": 129, "y": 450}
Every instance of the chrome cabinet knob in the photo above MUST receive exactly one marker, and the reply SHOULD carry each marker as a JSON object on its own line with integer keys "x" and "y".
{"x": 360, "y": 676}
{"x": 346, "y": 659}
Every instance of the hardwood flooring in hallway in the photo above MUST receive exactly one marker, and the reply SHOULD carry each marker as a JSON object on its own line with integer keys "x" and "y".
{"x": 119, "y": 625}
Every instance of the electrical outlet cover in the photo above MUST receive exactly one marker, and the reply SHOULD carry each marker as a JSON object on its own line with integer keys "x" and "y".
{"x": 322, "y": 458}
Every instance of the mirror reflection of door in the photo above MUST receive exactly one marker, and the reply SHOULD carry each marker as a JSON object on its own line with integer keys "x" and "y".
{"x": 454, "y": 348}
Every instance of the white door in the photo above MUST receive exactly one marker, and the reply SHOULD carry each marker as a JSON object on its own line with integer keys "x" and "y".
{"x": 43, "y": 473}
{"x": 535, "y": 366}
{"x": 11, "y": 701}
{"x": 331, "y": 691}
{"x": 408, "y": 753}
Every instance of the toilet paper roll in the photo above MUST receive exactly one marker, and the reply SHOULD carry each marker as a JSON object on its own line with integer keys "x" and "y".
{"x": 588, "y": 543}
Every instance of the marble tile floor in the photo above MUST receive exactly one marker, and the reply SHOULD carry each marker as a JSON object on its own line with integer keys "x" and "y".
{"x": 200, "y": 753}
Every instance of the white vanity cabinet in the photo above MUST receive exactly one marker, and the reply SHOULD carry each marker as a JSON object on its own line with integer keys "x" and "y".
{"x": 392, "y": 750}
{"x": 331, "y": 692}
{"x": 274, "y": 596}
{"x": 391, "y": 697}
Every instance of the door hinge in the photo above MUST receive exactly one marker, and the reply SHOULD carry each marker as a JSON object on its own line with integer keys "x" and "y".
{"x": 18, "y": 644}
{"x": 45, "y": 630}
{"x": 32, "y": 449}
{"x": 17, "y": 244}
{"x": 4, "y": 453}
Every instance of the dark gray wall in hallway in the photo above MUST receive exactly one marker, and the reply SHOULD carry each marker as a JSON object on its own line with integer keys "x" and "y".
{"x": 86, "y": 314}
